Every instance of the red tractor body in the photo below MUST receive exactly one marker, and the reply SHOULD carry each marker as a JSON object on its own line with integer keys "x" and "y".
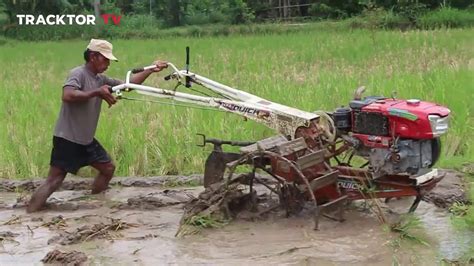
{"x": 394, "y": 135}
{"x": 408, "y": 118}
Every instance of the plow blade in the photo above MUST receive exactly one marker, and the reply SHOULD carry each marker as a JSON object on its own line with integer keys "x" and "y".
{"x": 215, "y": 166}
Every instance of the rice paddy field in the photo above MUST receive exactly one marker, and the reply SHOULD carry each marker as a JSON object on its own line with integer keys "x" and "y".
{"x": 317, "y": 70}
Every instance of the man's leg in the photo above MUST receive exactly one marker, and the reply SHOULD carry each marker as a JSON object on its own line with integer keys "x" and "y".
{"x": 53, "y": 182}
{"x": 106, "y": 172}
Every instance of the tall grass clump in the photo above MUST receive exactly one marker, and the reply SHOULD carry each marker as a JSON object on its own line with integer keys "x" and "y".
{"x": 446, "y": 17}
{"x": 379, "y": 18}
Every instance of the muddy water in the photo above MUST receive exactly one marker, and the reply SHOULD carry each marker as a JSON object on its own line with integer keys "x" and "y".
{"x": 150, "y": 237}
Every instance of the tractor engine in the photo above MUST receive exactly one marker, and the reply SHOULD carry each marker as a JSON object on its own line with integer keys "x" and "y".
{"x": 395, "y": 136}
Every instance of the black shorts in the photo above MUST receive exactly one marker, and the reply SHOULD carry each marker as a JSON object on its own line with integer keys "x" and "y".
{"x": 71, "y": 156}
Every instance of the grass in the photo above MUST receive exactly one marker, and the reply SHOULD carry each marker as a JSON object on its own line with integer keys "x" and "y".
{"x": 197, "y": 223}
{"x": 310, "y": 71}
{"x": 446, "y": 17}
{"x": 173, "y": 182}
{"x": 405, "y": 235}
{"x": 459, "y": 209}
{"x": 463, "y": 214}
{"x": 405, "y": 230}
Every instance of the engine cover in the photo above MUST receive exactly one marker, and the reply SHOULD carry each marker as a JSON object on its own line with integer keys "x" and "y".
{"x": 406, "y": 119}
{"x": 407, "y": 156}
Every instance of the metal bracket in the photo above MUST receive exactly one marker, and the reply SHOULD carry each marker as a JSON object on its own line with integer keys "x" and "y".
{"x": 118, "y": 93}
{"x": 203, "y": 140}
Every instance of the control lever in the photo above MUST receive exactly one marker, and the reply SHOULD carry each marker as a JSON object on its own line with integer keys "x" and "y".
{"x": 218, "y": 143}
{"x": 187, "y": 78}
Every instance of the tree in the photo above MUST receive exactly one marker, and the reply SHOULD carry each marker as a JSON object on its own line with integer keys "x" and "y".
{"x": 239, "y": 12}
{"x": 45, "y": 7}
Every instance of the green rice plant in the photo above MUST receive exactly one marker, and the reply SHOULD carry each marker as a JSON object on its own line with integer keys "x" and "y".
{"x": 197, "y": 223}
{"x": 406, "y": 230}
{"x": 311, "y": 69}
{"x": 463, "y": 214}
{"x": 459, "y": 209}
{"x": 205, "y": 222}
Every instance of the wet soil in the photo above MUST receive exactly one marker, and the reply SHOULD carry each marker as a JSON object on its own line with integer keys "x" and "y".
{"x": 450, "y": 190}
{"x": 136, "y": 220}
{"x": 73, "y": 258}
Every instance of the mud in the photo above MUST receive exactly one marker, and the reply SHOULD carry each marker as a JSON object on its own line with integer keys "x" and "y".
{"x": 7, "y": 235}
{"x": 153, "y": 201}
{"x": 450, "y": 190}
{"x": 91, "y": 232}
{"x": 135, "y": 222}
{"x": 73, "y": 258}
{"x": 80, "y": 183}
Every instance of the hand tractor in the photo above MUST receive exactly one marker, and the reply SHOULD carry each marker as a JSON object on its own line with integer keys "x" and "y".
{"x": 377, "y": 147}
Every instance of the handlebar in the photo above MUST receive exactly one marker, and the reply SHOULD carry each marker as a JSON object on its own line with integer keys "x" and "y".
{"x": 179, "y": 75}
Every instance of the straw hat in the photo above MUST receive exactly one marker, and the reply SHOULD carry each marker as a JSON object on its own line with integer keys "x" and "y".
{"x": 103, "y": 47}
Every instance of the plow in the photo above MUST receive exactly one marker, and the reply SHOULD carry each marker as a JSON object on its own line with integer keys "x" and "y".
{"x": 377, "y": 147}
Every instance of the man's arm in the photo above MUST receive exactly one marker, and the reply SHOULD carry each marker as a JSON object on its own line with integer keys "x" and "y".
{"x": 140, "y": 77}
{"x": 71, "y": 94}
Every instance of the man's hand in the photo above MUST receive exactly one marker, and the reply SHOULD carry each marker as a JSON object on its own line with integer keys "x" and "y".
{"x": 104, "y": 93}
{"x": 160, "y": 65}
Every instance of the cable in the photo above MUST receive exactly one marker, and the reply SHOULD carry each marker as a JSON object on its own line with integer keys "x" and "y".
{"x": 174, "y": 104}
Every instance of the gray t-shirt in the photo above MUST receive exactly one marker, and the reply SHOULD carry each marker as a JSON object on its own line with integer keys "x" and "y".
{"x": 77, "y": 121}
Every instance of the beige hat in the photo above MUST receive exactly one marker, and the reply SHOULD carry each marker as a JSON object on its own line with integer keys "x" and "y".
{"x": 103, "y": 47}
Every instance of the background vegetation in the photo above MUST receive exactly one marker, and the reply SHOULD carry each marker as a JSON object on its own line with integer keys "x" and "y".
{"x": 164, "y": 18}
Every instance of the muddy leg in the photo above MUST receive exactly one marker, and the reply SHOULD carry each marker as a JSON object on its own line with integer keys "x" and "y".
{"x": 53, "y": 182}
{"x": 106, "y": 172}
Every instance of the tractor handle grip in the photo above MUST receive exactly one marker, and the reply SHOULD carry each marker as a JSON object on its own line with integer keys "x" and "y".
{"x": 138, "y": 70}
{"x": 141, "y": 69}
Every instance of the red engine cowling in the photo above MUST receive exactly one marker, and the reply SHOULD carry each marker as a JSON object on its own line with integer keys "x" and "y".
{"x": 396, "y": 136}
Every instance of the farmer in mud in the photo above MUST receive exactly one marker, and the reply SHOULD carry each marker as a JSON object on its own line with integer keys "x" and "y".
{"x": 74, "y": 145}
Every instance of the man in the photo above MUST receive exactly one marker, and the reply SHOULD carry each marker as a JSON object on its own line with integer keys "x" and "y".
{"x": 74, "y": 145}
